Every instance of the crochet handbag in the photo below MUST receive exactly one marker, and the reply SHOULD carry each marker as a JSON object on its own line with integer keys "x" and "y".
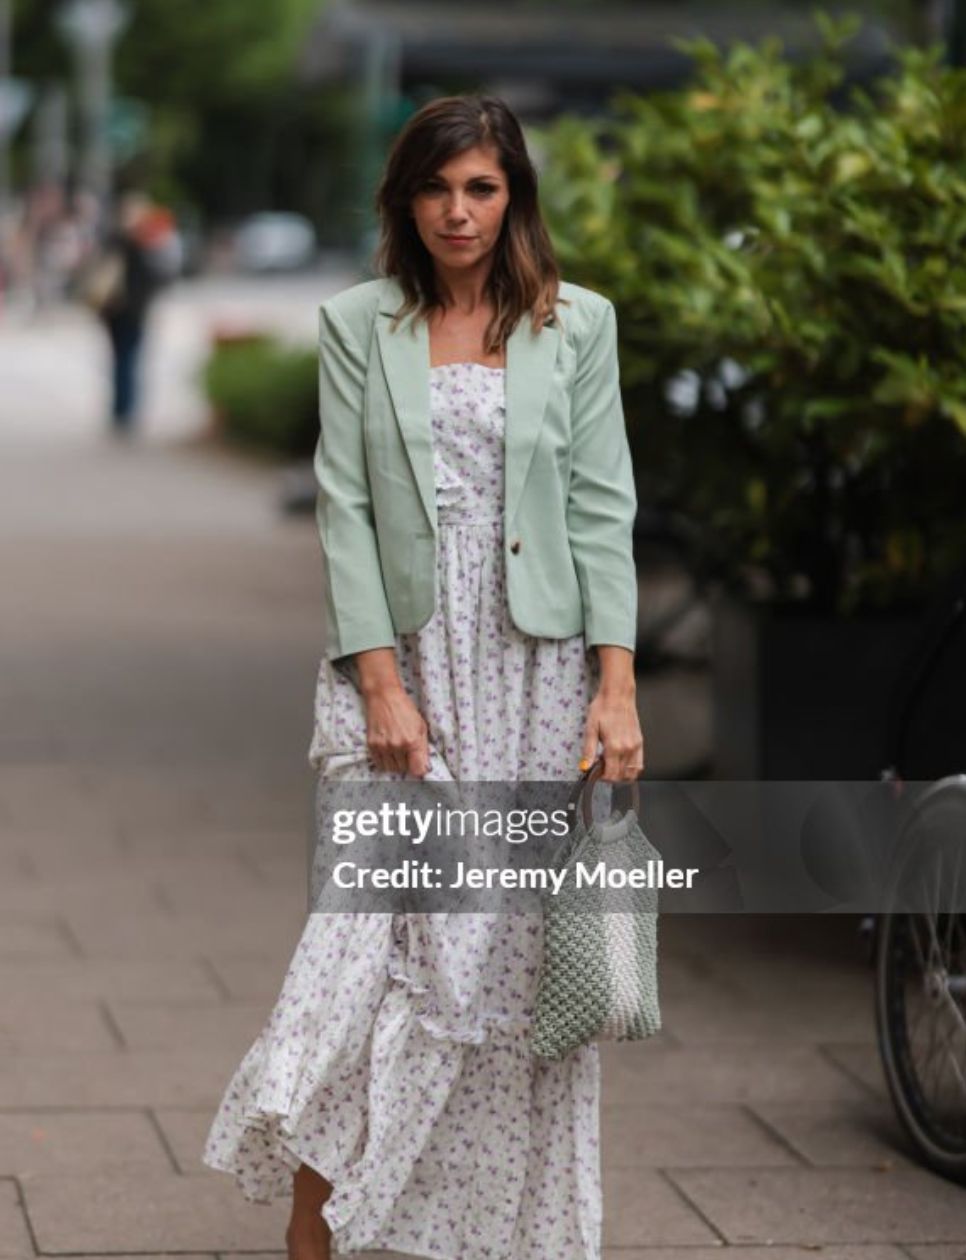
{"x": 598, "y": 980}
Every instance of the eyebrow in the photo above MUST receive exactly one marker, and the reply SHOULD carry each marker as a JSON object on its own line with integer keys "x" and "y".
{"x": 472, "y": 179}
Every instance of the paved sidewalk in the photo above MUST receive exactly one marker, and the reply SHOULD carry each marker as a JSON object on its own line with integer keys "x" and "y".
{"x": 55, "y": 366}
{"x": 160, "y": 646}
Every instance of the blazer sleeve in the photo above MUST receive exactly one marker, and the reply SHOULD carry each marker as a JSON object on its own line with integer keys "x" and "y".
{"x": 602, "y": 500}
{"x": 356, "y": 610}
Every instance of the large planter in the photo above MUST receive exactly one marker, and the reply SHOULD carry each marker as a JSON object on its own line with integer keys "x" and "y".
{"x": 801, "y": 696}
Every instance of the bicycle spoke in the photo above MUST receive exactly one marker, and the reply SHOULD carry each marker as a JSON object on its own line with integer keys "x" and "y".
{"x": 940, "y": 1056}
{"x": 924, "y": 914}
{"x": 935, "y": 952}
{"x": 934, "y": 914}
{"x": 912, "y": 921}
{"x": 956, "y": 980}
{"x": 915, "y": 1034}
{"x": 960, "y": 932}
{"x": 955, "y": 1105}
{"x": 931, "y": 1050}
{"x": 935, "y": 1102}
{"x": 955, "y": 890}
{"x": 913, "y": 989}
{"x": 953, "y": 1008}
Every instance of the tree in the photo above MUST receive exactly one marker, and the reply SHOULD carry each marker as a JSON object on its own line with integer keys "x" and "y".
{"x": 787, "y": 265}
{"x": 220, "y": 82}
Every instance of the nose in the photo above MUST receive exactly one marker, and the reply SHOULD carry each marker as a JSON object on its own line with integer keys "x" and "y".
{"x": 454, "y": 211}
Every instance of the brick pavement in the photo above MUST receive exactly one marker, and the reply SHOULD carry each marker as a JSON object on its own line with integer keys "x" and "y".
{"x": 156, "y": 668}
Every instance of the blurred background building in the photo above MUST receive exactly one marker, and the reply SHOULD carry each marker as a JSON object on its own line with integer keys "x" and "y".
{"x": 230, "y": 112}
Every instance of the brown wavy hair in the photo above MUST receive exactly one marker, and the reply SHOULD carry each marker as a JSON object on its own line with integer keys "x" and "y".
{"x": 524, "y": 278}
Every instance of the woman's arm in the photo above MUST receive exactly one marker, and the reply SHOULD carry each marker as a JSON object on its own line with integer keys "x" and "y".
{"x": 616, "y": 670}
{"x": 357, "y": 621}
{"x": 356, "y": 611}
{"x": 601, "y": 508}
{"x": 602, "y": 500}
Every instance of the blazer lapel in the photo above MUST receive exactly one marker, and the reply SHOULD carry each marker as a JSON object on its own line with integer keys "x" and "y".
{"x": 405, "y": 360}
{"x": 529, "y": 370}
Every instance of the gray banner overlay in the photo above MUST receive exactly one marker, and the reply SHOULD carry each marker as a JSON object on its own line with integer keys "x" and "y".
{"x": 411, "y": 846}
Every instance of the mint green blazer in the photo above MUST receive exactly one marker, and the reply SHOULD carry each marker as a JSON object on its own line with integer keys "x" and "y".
{"x": 569, "y": 496}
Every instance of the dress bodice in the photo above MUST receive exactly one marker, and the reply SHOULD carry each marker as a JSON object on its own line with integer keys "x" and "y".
{"x": 468, "y": 413}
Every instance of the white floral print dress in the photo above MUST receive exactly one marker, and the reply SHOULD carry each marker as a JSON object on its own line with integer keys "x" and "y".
{"x": 396, "y": 1061}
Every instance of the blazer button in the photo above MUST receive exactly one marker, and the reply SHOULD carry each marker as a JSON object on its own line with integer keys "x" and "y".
{"x": 515, "y": 545}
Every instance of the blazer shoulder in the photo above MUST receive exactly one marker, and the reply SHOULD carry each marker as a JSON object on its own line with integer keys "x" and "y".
{"x": 356, "y": 306}
{"x": 584, "y": 311}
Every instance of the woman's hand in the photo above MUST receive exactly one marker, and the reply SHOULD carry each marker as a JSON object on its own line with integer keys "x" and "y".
{"x": 396, "y": 731}
{"x": 612, "y": 717}
{"x": 612, "y": 720}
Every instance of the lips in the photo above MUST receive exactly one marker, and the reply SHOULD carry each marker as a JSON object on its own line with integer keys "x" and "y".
{"x": 456, "y": 238}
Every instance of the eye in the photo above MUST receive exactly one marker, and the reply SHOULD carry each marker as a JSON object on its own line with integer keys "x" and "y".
{"x": 484, "y": 188}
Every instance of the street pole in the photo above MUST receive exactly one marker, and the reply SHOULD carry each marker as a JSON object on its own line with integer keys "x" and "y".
{"x": 956, "y": 34}
{"x": 381, "y": 78}
{"x": 945, "y": 22}
{"x": 92, "y": 27}
{"x": 6, "y": 27}
{"x": 49, "y": 138}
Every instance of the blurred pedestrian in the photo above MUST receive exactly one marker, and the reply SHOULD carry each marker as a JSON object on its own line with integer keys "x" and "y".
{"x": 138, "y": 255}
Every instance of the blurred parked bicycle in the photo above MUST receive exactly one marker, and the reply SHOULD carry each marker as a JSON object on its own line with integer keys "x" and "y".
{"x": 920, "y": 958}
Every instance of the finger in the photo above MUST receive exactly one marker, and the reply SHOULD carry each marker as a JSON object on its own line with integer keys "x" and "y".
{"x": 620, "y": 766}
{"x": 589, "y": 750}
{"x": 400, "y": 761}
{"x": 612, "y": 766}
{"x": 418, "y": 759}
{"x": 629, "y": 768}
{"x": 381, "y": 760}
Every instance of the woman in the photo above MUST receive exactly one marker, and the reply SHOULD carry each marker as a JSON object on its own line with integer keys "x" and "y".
{"x": 475, "y": 510}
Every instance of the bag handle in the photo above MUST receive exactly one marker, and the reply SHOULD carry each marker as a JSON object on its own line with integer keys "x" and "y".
{"x": 584, "y": 787}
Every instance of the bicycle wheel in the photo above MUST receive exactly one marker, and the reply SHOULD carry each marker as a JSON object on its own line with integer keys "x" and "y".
{"x": 920, "y": 998}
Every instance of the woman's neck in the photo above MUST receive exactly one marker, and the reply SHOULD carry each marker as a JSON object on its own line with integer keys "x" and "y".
{"x": 462, "y": 291}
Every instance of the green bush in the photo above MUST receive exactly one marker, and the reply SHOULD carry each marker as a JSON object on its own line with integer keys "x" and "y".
{"x": 787, "y": 260}
{"x": 265, "y": 394}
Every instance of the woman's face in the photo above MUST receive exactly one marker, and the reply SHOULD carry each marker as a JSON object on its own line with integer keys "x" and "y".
{"x": 459, "y": 211}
